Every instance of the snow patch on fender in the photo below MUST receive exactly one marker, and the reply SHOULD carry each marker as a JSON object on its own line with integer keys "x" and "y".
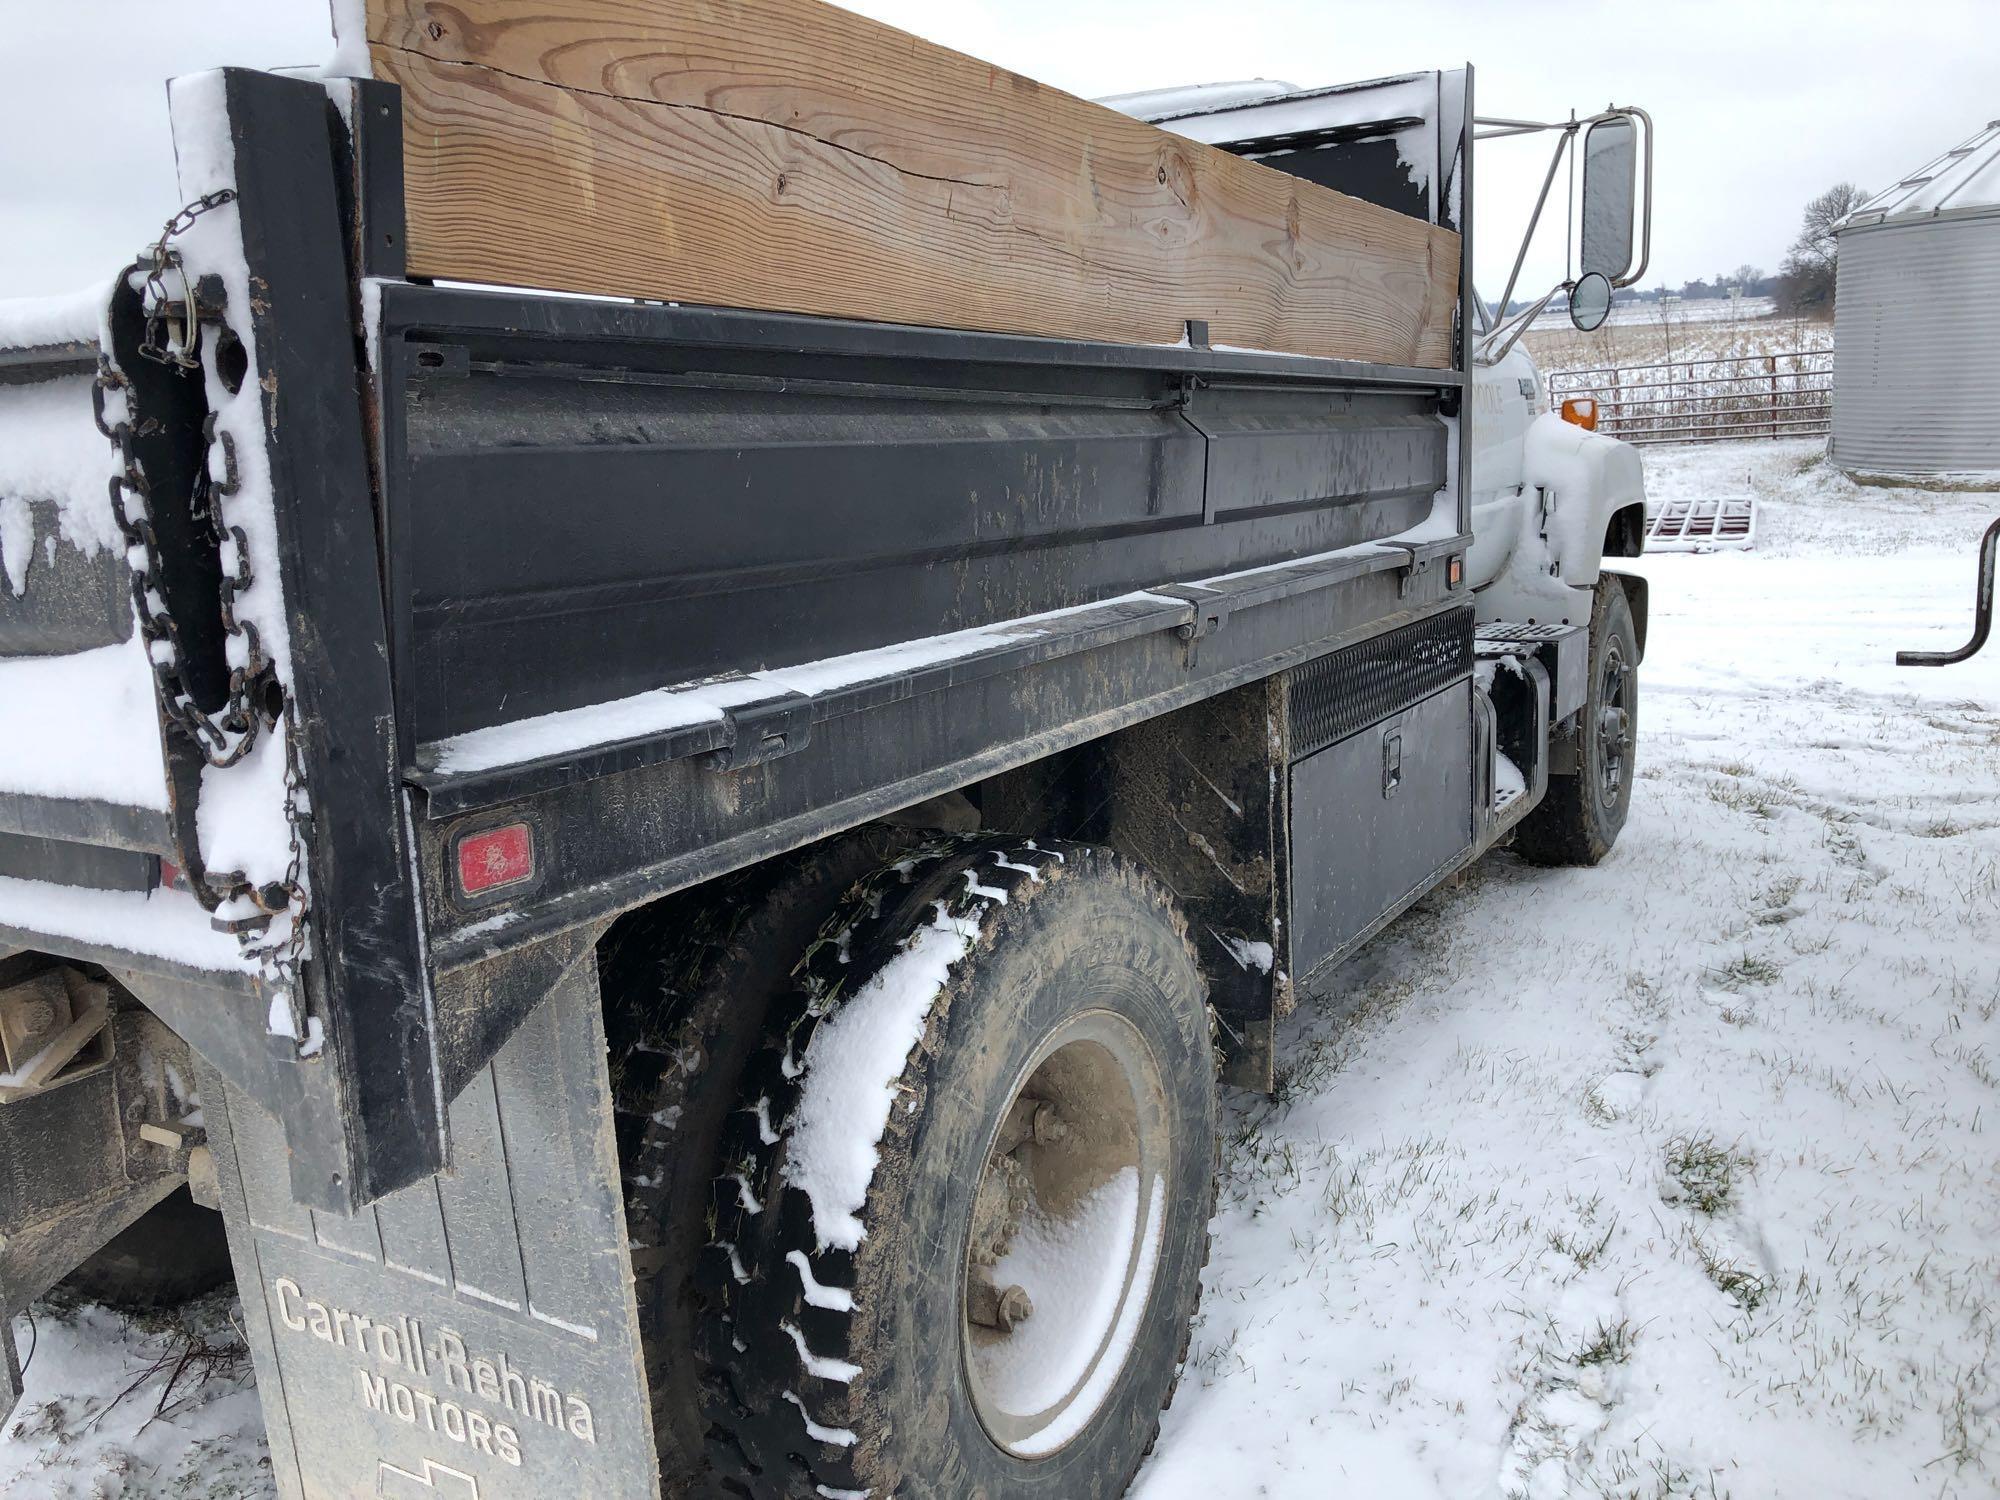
{"x": 52, "y": 453}
{"x": 851, "y": 1066}
{"x": 46, "y": 322}
{"x": 17, "y": 542}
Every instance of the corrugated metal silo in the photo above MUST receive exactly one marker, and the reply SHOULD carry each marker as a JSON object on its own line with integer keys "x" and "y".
{"x": 1916, "y": 380}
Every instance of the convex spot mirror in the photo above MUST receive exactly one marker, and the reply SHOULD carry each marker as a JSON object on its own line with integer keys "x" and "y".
{"x": 1590, "y": 301}
{"x": 1610, "y": 195}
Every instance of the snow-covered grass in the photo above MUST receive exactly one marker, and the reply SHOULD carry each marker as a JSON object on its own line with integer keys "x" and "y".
{"x": 1697, "y": 310}
{"x": 1675, "y": 1177}
{"x": 158, "y": 1405}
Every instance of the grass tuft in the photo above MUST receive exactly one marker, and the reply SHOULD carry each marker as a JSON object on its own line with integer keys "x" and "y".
{"x": 1703, "y": 1174}
{"x": 1746, "y": 1289}
{"x": 1745, "y": 969}
{"x": 1610, "y": 1345}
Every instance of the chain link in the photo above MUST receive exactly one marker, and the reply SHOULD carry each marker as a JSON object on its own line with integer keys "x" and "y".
{"x": 282, "y": 957}
{"x": 225, "y": 737}
{"x": 160, "y": 343}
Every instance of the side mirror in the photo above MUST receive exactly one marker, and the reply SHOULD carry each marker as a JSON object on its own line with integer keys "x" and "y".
{"x": 1610, "y": 194}
{"x": 1590, "y": 301}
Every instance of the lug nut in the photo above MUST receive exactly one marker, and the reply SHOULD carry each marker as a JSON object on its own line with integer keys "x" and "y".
{"x": 1049, "y": 1126}
{"x": 1015, "y": 1307}
{"x": 998, "y": 1308}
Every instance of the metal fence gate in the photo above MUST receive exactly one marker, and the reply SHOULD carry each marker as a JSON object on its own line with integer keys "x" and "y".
{"x": 1707, "y": 400}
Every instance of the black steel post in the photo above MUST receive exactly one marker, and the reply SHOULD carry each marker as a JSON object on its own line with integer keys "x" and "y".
{"x": 370, "y": 984}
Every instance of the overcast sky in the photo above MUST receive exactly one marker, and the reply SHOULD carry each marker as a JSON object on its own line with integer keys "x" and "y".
{"x": 1759, "y": 103}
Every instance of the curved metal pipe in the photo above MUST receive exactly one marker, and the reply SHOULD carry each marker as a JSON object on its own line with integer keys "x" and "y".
{"x": 1982, "y": 612}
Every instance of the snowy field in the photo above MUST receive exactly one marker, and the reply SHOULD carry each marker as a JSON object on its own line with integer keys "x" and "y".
{"x": 1679, "y": 1177}
{"x": 1676, "y": 340}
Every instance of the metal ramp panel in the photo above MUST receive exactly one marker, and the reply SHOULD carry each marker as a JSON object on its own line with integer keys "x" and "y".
{"x": 1707, "y": 524}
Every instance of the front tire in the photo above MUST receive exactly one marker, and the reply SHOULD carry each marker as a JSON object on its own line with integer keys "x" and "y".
{"x": 1580, "y": 817}
{"x": 959, "y": 1240}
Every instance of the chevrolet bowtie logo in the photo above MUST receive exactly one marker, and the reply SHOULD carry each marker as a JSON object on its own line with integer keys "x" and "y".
{"x": 436, "y": 1482}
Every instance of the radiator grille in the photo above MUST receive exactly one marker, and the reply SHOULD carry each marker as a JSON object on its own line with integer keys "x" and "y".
{"x": 1346, "y": 690}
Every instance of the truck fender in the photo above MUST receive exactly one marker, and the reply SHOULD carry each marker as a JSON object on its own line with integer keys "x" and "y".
{"x": 1586, "y": 479}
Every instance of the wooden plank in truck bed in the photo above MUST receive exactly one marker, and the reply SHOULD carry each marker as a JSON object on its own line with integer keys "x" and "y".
{"x": 790, "y": 156}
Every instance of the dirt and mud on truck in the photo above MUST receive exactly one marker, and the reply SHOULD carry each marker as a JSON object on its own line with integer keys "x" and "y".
{"x": 668, "y": 869}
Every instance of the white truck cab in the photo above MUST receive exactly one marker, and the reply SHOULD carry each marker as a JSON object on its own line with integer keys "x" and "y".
{"x": 1550, "y": 498}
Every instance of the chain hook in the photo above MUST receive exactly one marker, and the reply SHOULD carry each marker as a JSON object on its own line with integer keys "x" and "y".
{"x": 178, "y": 346}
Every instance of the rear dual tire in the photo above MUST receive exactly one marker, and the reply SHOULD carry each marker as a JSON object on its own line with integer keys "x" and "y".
{"x": 174, "y": 1252}
{"x": 688, "y": 987}
{"x": 849, "y": 1327}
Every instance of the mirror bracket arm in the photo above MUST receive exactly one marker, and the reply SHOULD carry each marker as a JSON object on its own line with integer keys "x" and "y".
{"x": 1535, "y": 219}
{"x": 1507, "y": 333}
{"x": 1499, "y": 127}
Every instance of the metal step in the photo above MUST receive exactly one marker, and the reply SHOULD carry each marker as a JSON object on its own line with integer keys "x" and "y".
{"x": 1563, "y": 650}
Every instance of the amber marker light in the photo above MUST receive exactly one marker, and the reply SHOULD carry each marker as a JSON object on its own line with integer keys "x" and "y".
{"x": 1582, "y": 410}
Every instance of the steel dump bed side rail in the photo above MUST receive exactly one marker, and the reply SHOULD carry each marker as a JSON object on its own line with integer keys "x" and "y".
{"x": 886, "y": 560}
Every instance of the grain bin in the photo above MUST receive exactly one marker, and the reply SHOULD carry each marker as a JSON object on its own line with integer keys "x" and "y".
{"x": 1916, "y": 383}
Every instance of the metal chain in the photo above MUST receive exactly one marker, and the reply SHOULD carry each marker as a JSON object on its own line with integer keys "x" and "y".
{"x": 225, "y": 737}
{"x": 282, "y": 958}
{"x": 159, "y": 344}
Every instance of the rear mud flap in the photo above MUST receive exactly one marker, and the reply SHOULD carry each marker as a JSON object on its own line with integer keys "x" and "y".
{"x": 473, "y": 1337}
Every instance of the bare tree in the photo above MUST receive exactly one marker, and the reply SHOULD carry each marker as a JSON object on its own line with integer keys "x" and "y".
{"x": 1808, "y": 270}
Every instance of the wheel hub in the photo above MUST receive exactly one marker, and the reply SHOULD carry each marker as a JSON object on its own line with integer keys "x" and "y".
{"x": 1614, "y": 722}
{"x": 1065, "y": 1233}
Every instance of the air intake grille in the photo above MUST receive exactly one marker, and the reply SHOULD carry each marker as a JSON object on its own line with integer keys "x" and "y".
{"x": 1336, "y": 694}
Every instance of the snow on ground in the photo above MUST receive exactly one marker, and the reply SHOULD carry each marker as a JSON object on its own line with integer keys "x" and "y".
{"x": 1685, "y": 310}
{"x": 157, "y": 1405}
{"x": 1679, "y": 1176}
{"x": 1676, "y": 1177}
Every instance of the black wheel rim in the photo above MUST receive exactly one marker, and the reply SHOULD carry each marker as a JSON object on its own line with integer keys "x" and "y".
{"x": 1614, "y": 723}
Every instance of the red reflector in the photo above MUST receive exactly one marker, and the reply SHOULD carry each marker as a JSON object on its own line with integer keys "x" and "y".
{"x": 170, "y": 873}
{"x": 496, "y": 857}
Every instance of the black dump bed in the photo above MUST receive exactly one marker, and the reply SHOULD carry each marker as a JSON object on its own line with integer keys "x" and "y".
{"x": 675, "y": 589}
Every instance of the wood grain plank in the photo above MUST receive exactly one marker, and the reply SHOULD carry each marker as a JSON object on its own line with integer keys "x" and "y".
{"x": 788, "y": 155}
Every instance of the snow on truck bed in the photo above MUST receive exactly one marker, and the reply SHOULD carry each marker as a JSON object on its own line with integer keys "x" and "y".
{"x": 79, "y": 725}
{"x": 1678, "y": 1177}
{"x": 663, "y": 710}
